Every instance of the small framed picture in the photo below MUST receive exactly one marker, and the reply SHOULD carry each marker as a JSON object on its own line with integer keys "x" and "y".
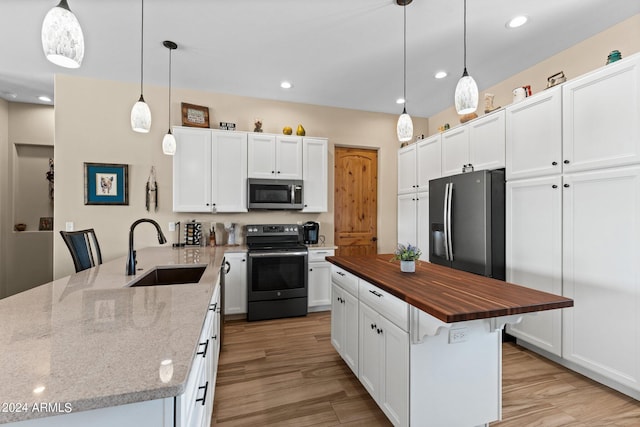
{"x": 106, "y": 184}
{"x": 46, "y": 223}
{"x": 195, "y": 115}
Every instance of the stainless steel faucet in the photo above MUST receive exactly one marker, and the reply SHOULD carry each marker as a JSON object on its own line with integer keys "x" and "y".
{"x": 131, "y": 258}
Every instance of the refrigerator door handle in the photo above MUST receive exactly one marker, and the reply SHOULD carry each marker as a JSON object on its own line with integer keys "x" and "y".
{"x": 448, "y": 223}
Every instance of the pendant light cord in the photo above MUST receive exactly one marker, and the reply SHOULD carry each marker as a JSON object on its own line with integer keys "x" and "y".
{"x": 170, "y": 89}
{"x": 465, "y": 35}
{"x": 142, "y": 48}
{"x": 404, "y": 92}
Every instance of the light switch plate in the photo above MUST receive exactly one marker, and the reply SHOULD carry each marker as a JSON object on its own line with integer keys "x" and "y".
{"x": 172, "y": 226}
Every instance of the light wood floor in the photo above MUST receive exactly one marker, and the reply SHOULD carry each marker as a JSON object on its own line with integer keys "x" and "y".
{"x": 286, "y": 373}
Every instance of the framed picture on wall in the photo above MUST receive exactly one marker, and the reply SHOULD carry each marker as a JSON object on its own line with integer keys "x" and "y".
{"x": 195, "y": 115}
{"x": 46, "y": 223}
{"x": 106, "y": 184}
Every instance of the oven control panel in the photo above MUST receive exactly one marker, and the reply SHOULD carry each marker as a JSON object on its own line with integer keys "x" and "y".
{"x": 272, "y": 229}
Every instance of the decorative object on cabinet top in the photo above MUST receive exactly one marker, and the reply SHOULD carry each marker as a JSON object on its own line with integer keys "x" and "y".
{"x": 466, "y": 117}
{"x": 556, "y": 79}
{"x": 195, "y": 115}
{"x": 287, "y": 130}
{"x": 614, "y": 56}
{"x": 257, "y": 125}
{"x": 300, "y": 131}
{"x": 227, "y": 126}
{"x": 488, "y": 103}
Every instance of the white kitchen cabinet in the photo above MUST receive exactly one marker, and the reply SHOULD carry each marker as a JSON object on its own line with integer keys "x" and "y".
{"x": 407, "y": 178}
{"x": 601, "y": 114}
{"x": 274, "y": 156}
{"x": 534, "y": 254}
{"x": 428, "y": 161}
{"x": 344, "y": 316}
{"x": 209, "y": 171}
{"x": 384, "y": 364}
{"x": 235, "y": 297}
{"x": 315, "y": 174}
{"x": 481, "y": 143}
{"x": 534, "y": 136}
{"x": 413, "y": 221}
{"x": 601, "y": 272}
{"x": 319, "y": 277}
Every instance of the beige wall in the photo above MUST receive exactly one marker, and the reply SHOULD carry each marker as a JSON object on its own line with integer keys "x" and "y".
{"x": 26, "y": 143}
{"x": 92, "y": 125}
{"x": 581, "y": 58}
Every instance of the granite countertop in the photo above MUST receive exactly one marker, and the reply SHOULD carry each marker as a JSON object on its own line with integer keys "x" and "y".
{"x": 89, "y": 341}
{"x": 447, "y": 294}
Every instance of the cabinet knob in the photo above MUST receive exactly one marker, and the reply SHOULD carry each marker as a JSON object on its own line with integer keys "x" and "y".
{"x": 379, "y": 331}
{"x": 567, "y": 186}
{"x": 278, "y": 171}
{"x": 311, "y": 269}
{"x": 273, "y": 171}
{"x": 373, "y": 326}
{"x": 566, "y": 162}
{"x": 554, "y": 163}
{"x": 554, "y": 186}
{"x": 207, "y": 204}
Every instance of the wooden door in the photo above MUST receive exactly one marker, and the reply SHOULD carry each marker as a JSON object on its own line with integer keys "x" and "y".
{"x": 356, "y": 202}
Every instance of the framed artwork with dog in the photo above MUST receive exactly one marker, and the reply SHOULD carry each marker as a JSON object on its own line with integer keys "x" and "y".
{"x": 106, "y": 184}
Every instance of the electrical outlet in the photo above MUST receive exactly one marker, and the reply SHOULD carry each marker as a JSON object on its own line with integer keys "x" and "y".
{"x": 172, "y": 226}
{"x": 68, "y": 226}
{"x": 457, "y": 335}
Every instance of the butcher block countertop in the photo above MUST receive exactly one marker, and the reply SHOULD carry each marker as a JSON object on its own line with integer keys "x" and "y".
{"x": 447, "y": 294}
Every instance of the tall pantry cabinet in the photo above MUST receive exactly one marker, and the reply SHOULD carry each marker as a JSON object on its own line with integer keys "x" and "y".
{"x": 597, "y": 228}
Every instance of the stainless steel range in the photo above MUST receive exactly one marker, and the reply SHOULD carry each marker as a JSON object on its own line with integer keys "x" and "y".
{"x": 277, "y": 271}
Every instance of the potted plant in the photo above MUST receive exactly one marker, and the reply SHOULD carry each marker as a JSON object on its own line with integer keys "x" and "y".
{"x": 407, "y": 255}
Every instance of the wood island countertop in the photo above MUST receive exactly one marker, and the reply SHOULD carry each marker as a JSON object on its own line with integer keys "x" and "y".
{"x": 448, "y": 294}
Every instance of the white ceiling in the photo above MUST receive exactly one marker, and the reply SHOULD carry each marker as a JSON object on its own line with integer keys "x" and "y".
{"x": 342, "y": 53}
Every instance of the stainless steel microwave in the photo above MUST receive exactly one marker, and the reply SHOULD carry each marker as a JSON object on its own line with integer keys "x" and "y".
{"x": 274, "y": 194}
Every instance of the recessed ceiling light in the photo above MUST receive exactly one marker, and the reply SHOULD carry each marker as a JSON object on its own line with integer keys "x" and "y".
{"x": 440, "y": 75}
{"x": 517, "y": 21}
{"x": 44, "y": 98}
{"x": 39, "y": 389}
{"x": 286, "y": 85}
{"x": 401, "y": 101}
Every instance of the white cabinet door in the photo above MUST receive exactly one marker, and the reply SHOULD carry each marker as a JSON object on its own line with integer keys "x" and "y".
{"x": 370, "y": 351}
{"x": 261, "y": 156}
{"x": 337, "y": 318}
{"x": 229, "y": 172}
{"x": 407, "y": 232}
{"x": 487, "y": 141}
{"x": 288, "y": 157}
{"x": 601, "y": 114}
{"x": 192, "y": 170}
{"x": 534, "y": 136}
{"x": 428, "y": 161}
{"x": 422, "y": 224}
{"x": 235, "y": 297}
{"x": 319, "y": 284}
{"x": 455, "y": 150}
{"x": 394, "y": 387}
{"x": 407, "y": 169}
{"x": 601, "y": 272}
{"x": 315, "y": 171}
{"x": 534, "y": 253}
{"x": 351, "y": 331}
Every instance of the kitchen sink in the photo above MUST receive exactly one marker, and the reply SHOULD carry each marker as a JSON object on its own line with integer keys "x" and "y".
{"x": 170, "y": 276}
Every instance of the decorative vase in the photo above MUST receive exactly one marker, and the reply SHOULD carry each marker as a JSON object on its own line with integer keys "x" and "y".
{"x": 408, "y": 266}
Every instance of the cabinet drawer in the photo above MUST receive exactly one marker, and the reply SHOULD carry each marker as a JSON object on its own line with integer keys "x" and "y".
{"x": 393, "y": 308}
{"x": 345, "y": 280}
{"x": 317, "y": 255}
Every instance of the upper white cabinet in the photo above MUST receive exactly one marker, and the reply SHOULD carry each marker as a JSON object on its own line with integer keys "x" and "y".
{"x": 209, "y": 171}
{"x": 275, "y": 156}
{"x": 601, "y": 113}
{"x": 481, "y": 143}
{"x": 407, "y": 177}
{"x": 428, "y": 161}
{"x": 534, "y": 136}
{"x": 315, "y": 174}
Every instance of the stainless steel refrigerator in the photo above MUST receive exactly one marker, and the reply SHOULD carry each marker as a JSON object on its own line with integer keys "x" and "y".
{"x": 467, "y": 222}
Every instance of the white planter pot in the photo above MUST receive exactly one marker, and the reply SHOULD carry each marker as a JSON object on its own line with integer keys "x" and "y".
{"x": 408, "y": 266}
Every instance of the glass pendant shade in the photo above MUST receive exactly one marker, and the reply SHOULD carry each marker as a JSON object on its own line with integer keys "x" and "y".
{"x": 466, "y": 95}
{"x": 405, "y": 127}
{"x": 141, "y": 116}
{"x": 62, "y": 39}
{"x": 169, "y": 144}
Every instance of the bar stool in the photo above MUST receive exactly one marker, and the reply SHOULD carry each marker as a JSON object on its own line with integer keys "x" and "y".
{"x": 84, "y": 248}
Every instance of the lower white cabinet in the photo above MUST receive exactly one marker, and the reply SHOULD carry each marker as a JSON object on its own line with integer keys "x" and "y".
{"x": 319, "y": 276}
{"x": 534, "y": 254}
{"x": 235, "y": 289}
{"x": 384, "y": 364}
{"x": 344, "y": 316}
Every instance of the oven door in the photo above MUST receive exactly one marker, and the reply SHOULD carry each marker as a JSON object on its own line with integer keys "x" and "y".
{"x": 276, "y": 274}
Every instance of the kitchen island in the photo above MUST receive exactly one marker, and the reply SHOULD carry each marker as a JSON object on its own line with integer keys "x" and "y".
{"x": 427, "y": 345}
{"x": 88, "y": 348}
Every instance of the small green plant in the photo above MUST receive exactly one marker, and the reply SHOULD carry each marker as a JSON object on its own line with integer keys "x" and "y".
{"x": 406, "y": 253}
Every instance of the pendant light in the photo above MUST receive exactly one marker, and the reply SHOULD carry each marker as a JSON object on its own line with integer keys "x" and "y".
{"x": 169, "y": 141}
{"x": 466, "y": 96}
{"x": 62, "y": 39}
{"x": 405, "y": 124}
{"x": 140, "y": 113}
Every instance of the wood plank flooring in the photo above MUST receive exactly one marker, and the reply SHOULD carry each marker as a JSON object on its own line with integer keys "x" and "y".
{"x": 285, "y": 372}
